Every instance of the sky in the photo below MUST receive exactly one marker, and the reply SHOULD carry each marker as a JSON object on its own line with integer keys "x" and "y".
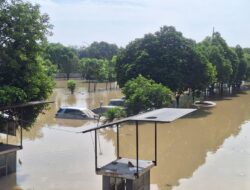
{"x": 81, "y": 22}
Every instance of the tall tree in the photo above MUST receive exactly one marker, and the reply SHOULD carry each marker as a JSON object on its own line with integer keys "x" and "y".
{"x": 24, "y": 75}
{"x": 99, "y": 50}
{"x": 222, "y": 57}
{"x": 199, "y": 73}
{"x": 65, "y": 58}
{"x": 167, "y": 58}
{"x": 242, "y": 68}
{"x": 247, "y": 57}
{"x": 94, "y": 69}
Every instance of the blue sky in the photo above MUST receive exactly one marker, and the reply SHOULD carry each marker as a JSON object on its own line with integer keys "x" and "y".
{"x": 80, "y": 22}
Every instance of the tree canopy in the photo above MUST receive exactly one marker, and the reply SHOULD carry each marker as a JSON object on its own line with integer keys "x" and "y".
{"x": 98, "y": 69}
{"x": 99, "y": 50}
{"x": 24, "y": 75}
{"x": 231, "y": 63}
{"x": 166, "y": 57}
{"x": 65, "y": 58}
{"x": 144, "y": 94}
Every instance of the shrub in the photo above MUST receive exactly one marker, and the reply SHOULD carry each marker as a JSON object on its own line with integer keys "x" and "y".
{"x": 115, "y": 113}
{"x": 144, "y": 94}
{"x": 71, "y": 86}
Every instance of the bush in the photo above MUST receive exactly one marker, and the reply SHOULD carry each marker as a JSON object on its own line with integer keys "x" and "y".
{"x": 114, "y": 113}
{"x": 143, "y": 95}
{"x": 71, "y": 86}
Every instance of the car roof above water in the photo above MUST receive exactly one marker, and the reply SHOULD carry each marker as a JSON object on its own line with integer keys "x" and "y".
{"x": 117, "y": 99}
{"x": 75, "y": 108}
{"x": 86, "y": 111}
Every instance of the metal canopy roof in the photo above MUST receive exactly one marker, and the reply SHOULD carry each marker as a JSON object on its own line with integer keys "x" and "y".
{"x": 34, "y": 103}
{"x": 164, "y": 115}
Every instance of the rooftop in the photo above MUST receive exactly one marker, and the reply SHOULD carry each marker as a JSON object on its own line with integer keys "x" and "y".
{"x": 163, "y": 115}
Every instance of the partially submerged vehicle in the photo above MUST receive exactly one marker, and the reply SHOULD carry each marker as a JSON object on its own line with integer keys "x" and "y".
{"x": 205, "y": 104}
{"x": 102, "y": 109}
{"x": 113, "y": 103}
{"x": 117, "y": 102}
{"x": 75, "y": 113}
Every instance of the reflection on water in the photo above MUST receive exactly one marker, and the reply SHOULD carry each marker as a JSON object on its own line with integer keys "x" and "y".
{"x": 185, "y": 145}
{"x": 55, "y": 156}
{"x": 207, "y": 150}
{"x": 228, "y": 168}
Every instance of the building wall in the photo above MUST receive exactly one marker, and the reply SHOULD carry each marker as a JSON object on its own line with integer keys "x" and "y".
{"x": 7, "y": 163}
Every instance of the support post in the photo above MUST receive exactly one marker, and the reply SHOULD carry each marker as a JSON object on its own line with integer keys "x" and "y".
{"x": 96, "y": 168}
{"x": 21, "y": 146}
{"x": 155, "y": 161}
{"x": 137, "y": 150}
{"x": 117, "y": 141}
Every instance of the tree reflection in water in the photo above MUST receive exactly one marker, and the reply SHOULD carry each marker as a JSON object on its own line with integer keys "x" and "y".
{"x": 184, "y": 144}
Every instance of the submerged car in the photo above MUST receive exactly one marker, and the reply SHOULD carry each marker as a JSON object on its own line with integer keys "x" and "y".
{"x": 101, "y": 110}
{"x": 75, "y": 113}
{"x": 117, "y": 102}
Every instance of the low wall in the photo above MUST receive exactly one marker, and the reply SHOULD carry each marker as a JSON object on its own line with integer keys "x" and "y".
{"x": 7, "y": 164}
{"x": 71, "y": 75}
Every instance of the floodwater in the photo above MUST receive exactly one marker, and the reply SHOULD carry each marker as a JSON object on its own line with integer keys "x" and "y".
{"x": 209, "y": 149}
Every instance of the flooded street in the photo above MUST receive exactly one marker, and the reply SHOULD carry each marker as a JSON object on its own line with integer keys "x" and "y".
{"x": 209, "y": 149}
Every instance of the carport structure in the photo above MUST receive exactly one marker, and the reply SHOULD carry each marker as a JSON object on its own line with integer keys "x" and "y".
{"x": 133, "y": 174}
{"x": 9, "y": 127}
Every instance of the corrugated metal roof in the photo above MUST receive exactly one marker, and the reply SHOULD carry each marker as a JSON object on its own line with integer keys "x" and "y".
{"x": 164, "y": 115}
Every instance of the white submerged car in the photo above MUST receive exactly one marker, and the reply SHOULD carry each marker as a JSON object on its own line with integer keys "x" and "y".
{"x": 75, "y": 113}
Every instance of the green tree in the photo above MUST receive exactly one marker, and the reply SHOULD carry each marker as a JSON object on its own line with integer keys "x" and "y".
{"x": 111, "y": 69}
{"x": 247, "y": 58}
{"x": 71, "y": 86}
{"x": 99, "y": 50}
{"x": 24, "y": 75}
{"x": 94, "y": 69}
{"x": 65, "y": 58}
{"x": 199, "y": 73}
{"x": 114, "y": 113}
{"x": 166, "y": 57}
{"x": 242, "y": 68}
{"x": 143, "y": 94}
{"x": 223, "y": 58}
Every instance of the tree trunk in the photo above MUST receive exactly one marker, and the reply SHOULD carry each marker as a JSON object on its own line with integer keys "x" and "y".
{"x": 193, "y": 95}
{"x": 106, "y": 85}
{"x": 221, "y": 89}
{"x": 94, "y": 86}
{"x": 89, "y": 86}
{"x": 177, "y": 98}
{"x": 211, "y": 90}
{"x": 205, "y": 93}
{"x": 238, "y": 86}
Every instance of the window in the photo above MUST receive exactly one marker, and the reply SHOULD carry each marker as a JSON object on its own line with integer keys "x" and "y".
{"x": 75, "y": 112}
{"x": 60, "y": 110}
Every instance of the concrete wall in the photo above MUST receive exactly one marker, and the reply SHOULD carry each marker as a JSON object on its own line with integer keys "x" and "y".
{"x": 71, "y": 75}
{"x": 116, "y": 183}
{"x": 7, "y": 163}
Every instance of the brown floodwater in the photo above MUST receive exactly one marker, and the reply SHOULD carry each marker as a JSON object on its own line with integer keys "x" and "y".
{"x": 209, "y": 149}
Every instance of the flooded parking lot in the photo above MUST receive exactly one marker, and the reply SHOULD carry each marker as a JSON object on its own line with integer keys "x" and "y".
{"x": 209, "y": 149}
